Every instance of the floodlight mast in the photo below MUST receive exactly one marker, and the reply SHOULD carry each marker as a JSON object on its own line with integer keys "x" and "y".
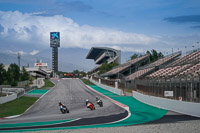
{"x": 18, "y": 56}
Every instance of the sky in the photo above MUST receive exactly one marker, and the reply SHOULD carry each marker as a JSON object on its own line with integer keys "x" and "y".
{"x": 127, "y": 25}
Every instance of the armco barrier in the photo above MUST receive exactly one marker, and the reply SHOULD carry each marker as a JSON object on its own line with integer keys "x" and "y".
{"x": 111, "y": 89}
{"x": 8, "y": 98}
{"x": 188, "y": 108}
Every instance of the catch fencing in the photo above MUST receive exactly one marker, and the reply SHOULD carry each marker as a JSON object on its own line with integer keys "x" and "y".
{"x": 183, "y": 89}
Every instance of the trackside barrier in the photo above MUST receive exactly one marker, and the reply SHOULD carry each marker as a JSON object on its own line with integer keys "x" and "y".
{"x": 8, "y": 98}
{"x": 14, "y": 93}
{"x": 111, "y": 89}
{"x": 188, "y": 108}
{"x": 39, "y": 82}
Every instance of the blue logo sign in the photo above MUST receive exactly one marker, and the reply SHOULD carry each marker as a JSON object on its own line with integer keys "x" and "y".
{"x": 55, "y": 35}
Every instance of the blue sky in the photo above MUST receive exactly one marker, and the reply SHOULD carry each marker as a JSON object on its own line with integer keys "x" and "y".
{"x": 129, "y": 25}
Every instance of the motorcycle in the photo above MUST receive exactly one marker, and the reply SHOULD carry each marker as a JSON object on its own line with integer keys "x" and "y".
{"x": 100, "y": 102}
{"x": 64, "y": 109}
{"x": 90, "y": 105}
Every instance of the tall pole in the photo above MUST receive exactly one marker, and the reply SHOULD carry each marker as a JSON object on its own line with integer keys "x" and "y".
{"x": 18, "y": 56}
{"x": 185, "y": 50}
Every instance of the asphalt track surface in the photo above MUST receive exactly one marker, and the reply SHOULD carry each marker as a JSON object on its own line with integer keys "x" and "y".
{"x": 73, "y": 93}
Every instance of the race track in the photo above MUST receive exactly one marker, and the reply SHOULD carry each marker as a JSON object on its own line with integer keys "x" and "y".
{"x": 73, "y": 93}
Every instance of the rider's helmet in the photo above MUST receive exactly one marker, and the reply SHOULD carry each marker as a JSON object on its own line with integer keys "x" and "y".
{"x": 97, "y": 98}
{"x": 87, "y": 100}
{"x": 60, "y": 103}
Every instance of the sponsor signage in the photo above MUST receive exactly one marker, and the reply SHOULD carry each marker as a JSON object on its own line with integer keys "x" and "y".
{"x": 40, "y": 64}
{"x": 54, "y": 39}
{"x": 168, "y": 93}
{"x": 180, "y": 98}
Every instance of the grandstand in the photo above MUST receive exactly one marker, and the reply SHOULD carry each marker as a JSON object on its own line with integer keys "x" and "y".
{"x": 191, "y": 58}
{"x": 37, "y": 72}
{"x": 147, "y": 69}
{"x": 103, "y": 54}
{"x": 193, "y": 70}
{"x": 127, "y": 68}
{"x": 180, "y": 75}
{"x": 180, "y": 67}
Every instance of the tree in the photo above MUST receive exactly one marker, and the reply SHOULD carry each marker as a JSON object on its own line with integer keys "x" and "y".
{"x": 135, "y": 56}
{"x": 160, "y": 55}
{"x": 154, "y": 55}
{"x": 148, "y": 52}
{"x": 51, "y": 74}
{"x": 13, "y": 74}
{"x": 2, "y": 74}
{"x": 107, "y": 67}
{"x": 24, "y": 75}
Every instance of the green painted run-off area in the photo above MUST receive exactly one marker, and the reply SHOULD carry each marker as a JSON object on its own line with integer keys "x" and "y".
{"x": 38, "y": 92}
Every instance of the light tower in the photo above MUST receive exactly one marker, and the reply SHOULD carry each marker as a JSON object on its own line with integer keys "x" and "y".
{"x": 54, "y": 44}
{"x": 18, "y": 57}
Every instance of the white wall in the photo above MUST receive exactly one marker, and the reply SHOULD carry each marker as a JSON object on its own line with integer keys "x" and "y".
{"x": 8, "y": 98}
{"x": 114, "y": 90}
{"x": 39, "y": 82}
{"x": 168, "y": 104}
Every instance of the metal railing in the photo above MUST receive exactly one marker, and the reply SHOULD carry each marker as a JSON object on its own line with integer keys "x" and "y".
{"x": 182, "y": 88}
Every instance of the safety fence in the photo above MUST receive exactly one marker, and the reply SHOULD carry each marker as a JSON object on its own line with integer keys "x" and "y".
{"x": 13, "y": 93}
{"x": 183, "y": 89}
{"x": 111, "y": 83}
{"x": 119, "y": 84}
{"x": 177, "y": 88}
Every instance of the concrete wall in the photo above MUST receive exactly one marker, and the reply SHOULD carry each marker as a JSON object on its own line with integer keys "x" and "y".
{"x": 13, "y": 94}
{"x": 13, "y": 90}
{"x": 39, "y": 82}
{"x": 8, "y": 98}
{"x": 114, "y": 90}
{"x": 168, "y": 104}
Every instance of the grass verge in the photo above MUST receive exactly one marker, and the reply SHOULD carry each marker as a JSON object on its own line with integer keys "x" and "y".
{"x": 48, "y": 84}
{"x": 87, "y": 82}
{"x": 17, "y": 106}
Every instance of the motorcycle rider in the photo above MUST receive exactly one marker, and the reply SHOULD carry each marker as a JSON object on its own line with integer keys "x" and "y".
{"x": 63, "y": 108}
{"x": 90, "y": 105}
{"x": 97, "y": 98}
{"x": 87, "y": 101}
{"x": 61, "y": 105}
{"x": 99, "y": 101}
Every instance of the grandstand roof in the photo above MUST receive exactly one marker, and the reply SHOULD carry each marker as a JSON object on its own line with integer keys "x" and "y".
{"x": 95, "y": 51}
{"x": 37, "y": 71}
{"x": 101, "y": 54}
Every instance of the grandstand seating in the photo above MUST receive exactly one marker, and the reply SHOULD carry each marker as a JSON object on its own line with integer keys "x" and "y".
{"x": 139, "y": 73}
{"x": 169, "y": 72}
{"x": 125, "y": 65}
{"x": 116, "y": 70}
{"x": 189, "y": 58}
{"x": 191, "y": 71}
{"x": 163, "y": 60}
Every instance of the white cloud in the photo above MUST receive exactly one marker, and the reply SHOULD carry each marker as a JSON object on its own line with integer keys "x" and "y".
{"x": 34, "y": 52}
{"x": 31, "y": 28}
{"x": 18, "y": 52}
